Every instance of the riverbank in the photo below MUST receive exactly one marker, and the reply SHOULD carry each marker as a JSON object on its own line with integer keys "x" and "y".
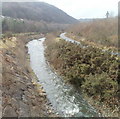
{"x": 22, "y": 95}
{"x": 100, "y": 33}
{"x": 76, "y": 65}
{"x": 85, "y": 42}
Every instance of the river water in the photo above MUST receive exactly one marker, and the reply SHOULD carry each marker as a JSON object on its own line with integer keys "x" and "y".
{"x": 66, "y": 101}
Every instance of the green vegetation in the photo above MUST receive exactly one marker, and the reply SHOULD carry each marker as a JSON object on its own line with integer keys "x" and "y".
{"x": 88, "y": 69}
{"x": 23, "y": 26}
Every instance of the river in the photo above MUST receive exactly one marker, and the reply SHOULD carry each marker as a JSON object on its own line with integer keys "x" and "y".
{"x": 66, "y": 101}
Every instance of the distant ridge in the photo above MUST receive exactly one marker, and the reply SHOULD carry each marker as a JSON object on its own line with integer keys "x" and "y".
{"x": 36, "y": 11}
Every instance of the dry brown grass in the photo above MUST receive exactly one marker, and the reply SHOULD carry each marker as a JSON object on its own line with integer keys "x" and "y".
{"x": 102, "y": 32}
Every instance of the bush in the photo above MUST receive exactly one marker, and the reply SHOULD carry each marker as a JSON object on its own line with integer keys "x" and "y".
{"x": 100, "y": 85}
{"x": 94, "y": 71}
{"x": 8, "y": 34}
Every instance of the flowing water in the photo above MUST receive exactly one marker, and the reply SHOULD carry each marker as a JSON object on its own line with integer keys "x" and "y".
{"x": 66, "y": 101}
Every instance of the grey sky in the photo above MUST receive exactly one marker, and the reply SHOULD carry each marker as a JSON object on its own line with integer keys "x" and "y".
{"x": 83, "y": 8}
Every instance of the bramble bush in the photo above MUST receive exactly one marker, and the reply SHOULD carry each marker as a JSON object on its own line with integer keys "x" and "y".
{"x": 89, "y": 69}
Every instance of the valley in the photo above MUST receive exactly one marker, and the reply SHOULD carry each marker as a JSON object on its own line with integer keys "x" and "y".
{"x": 54, "y": 65}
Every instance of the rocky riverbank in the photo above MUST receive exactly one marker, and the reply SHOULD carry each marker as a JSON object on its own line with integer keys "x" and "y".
{"x": 22, "y": 95}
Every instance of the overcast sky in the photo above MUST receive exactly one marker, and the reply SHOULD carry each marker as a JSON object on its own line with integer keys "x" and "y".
{"x": 84, "y": 8}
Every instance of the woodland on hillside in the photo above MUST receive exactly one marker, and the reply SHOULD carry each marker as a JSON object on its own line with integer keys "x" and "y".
{"x": 23, "y": 26}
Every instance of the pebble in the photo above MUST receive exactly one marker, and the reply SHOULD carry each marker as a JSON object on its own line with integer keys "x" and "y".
{"x": 9, "y": 112}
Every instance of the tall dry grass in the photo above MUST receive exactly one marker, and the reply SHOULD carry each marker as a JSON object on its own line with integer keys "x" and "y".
{"x": 100, "y": 31}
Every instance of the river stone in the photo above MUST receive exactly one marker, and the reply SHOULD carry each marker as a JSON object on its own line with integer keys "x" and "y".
{"x": 18, "y": 95}
{"x": 6, "y": 100}
{"x": 22, "y": 86}
{"x": 27, "y": 93}
{"x": 36, "y": 112}
{"x": 15, "y": 103}
{"x": 24, "y": 110}
{"x": 9, "y": 112}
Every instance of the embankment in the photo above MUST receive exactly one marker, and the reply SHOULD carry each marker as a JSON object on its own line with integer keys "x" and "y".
{"x": 22, "y": 96}
{"x": 90, "y": 70}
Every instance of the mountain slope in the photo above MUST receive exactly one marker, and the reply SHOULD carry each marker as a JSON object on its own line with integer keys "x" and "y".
{"x": 36, "y": 11}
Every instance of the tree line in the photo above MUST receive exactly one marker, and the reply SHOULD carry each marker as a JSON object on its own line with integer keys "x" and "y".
{"x": 22, "y": 26}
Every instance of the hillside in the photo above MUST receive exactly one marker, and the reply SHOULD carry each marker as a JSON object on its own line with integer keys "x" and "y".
{"x": 100, "y": 33}
{"x": 21, "y": 26}
{"x": 36, "y": 11}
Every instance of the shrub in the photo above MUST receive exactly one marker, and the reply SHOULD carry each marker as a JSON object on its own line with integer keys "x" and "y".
{"x": 100, "y": 85}
{"x": 8, "y": 34}
{"x": 94, "y": 71}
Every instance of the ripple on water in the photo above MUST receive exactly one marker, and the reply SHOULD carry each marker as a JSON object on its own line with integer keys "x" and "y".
{"x": 65, "y": 100}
